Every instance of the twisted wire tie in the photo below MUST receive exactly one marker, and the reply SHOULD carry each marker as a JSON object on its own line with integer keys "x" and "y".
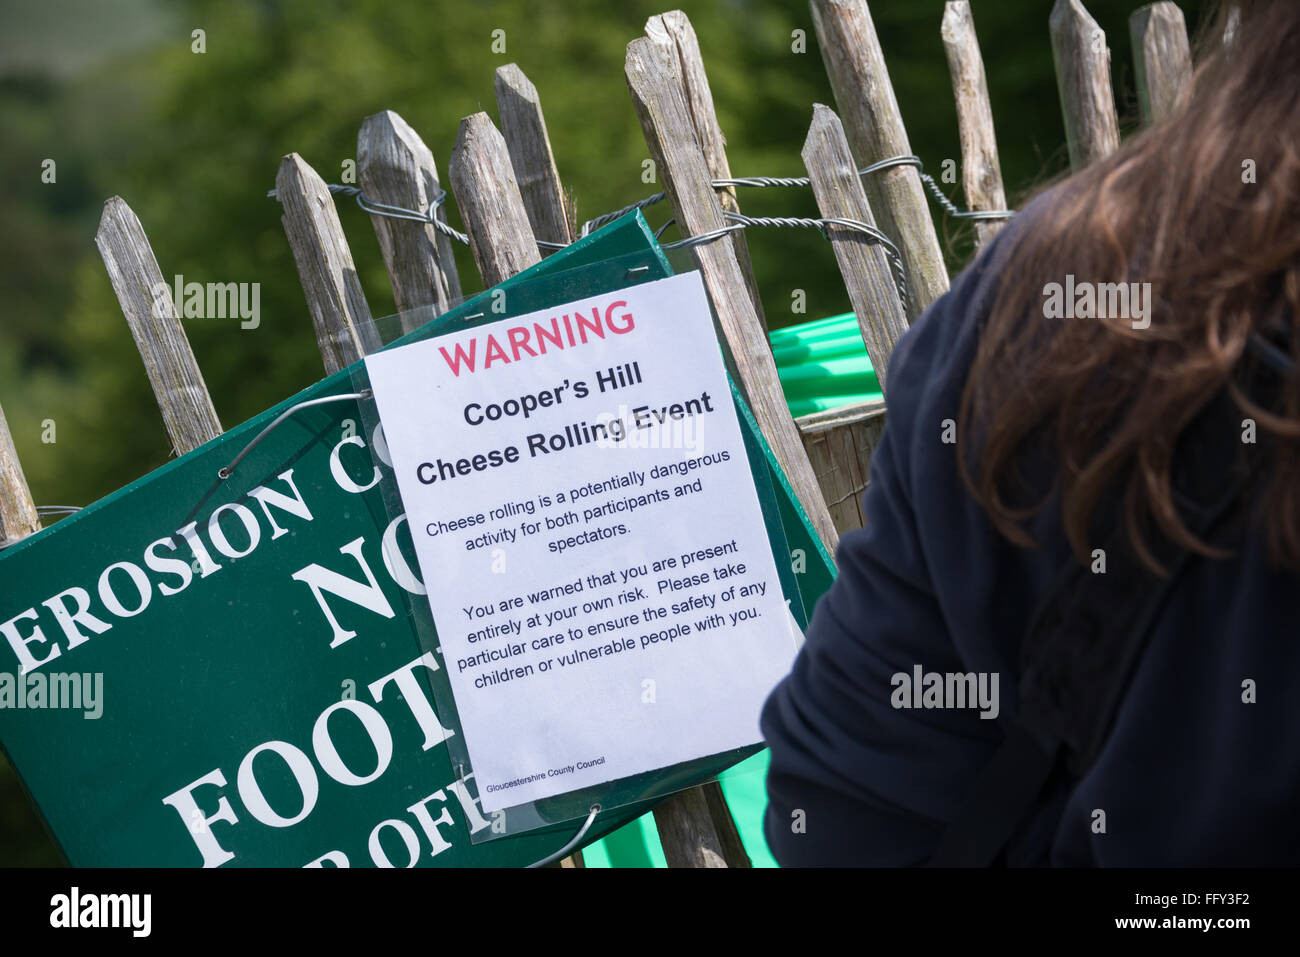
{"x": 738, "y": 220}
{"x": 429, "y": 216}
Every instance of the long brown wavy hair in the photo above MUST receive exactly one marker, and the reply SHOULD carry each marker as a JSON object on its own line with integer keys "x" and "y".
{"x": 1205, "y": 206}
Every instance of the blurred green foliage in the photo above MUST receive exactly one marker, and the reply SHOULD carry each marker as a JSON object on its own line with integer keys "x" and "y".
{"x": 116, "y": 97}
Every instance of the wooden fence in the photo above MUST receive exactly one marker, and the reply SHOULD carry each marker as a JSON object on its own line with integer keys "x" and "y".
{"x": 510, "y": 195}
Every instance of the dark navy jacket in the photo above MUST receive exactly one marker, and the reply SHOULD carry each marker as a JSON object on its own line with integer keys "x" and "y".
{"x": 1191, "y": 774}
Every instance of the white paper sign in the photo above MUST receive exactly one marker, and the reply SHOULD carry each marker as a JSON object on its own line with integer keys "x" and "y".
{"x": 588, "y": 530}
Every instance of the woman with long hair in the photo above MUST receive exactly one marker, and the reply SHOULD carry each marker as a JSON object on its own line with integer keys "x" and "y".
{"x": 1067, "y": 633}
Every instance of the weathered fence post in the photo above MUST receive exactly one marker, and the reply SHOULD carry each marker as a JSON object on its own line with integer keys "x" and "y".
{"x": 840, "y": 443}
{"x": 344, "y": 328}
{"x": 159, "y": 336}
{"x": 867, "y": 276}
{"x": 491, "y": 205}
{"x": 687, "y": 831}
{"x": 18, "y": 515}
{"x": 396, "y": 168}
{"x": 865, "y": 98}
{"x": 676, "y": 152}
{"x": 146, "y": 301}
{"x": 981, "y": 175}
{"x": 1083, "y": 80}
{"x": 524, "y": 128}
{"x": 673, "y": 32}
{"x": 1162, "y": 58}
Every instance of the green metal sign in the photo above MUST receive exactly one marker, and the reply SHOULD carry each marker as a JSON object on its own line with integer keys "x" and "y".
{"x": 225, "y": 672}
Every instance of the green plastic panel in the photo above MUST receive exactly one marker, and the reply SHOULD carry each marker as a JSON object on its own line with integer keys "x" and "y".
{"x": 823, "y": 365}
